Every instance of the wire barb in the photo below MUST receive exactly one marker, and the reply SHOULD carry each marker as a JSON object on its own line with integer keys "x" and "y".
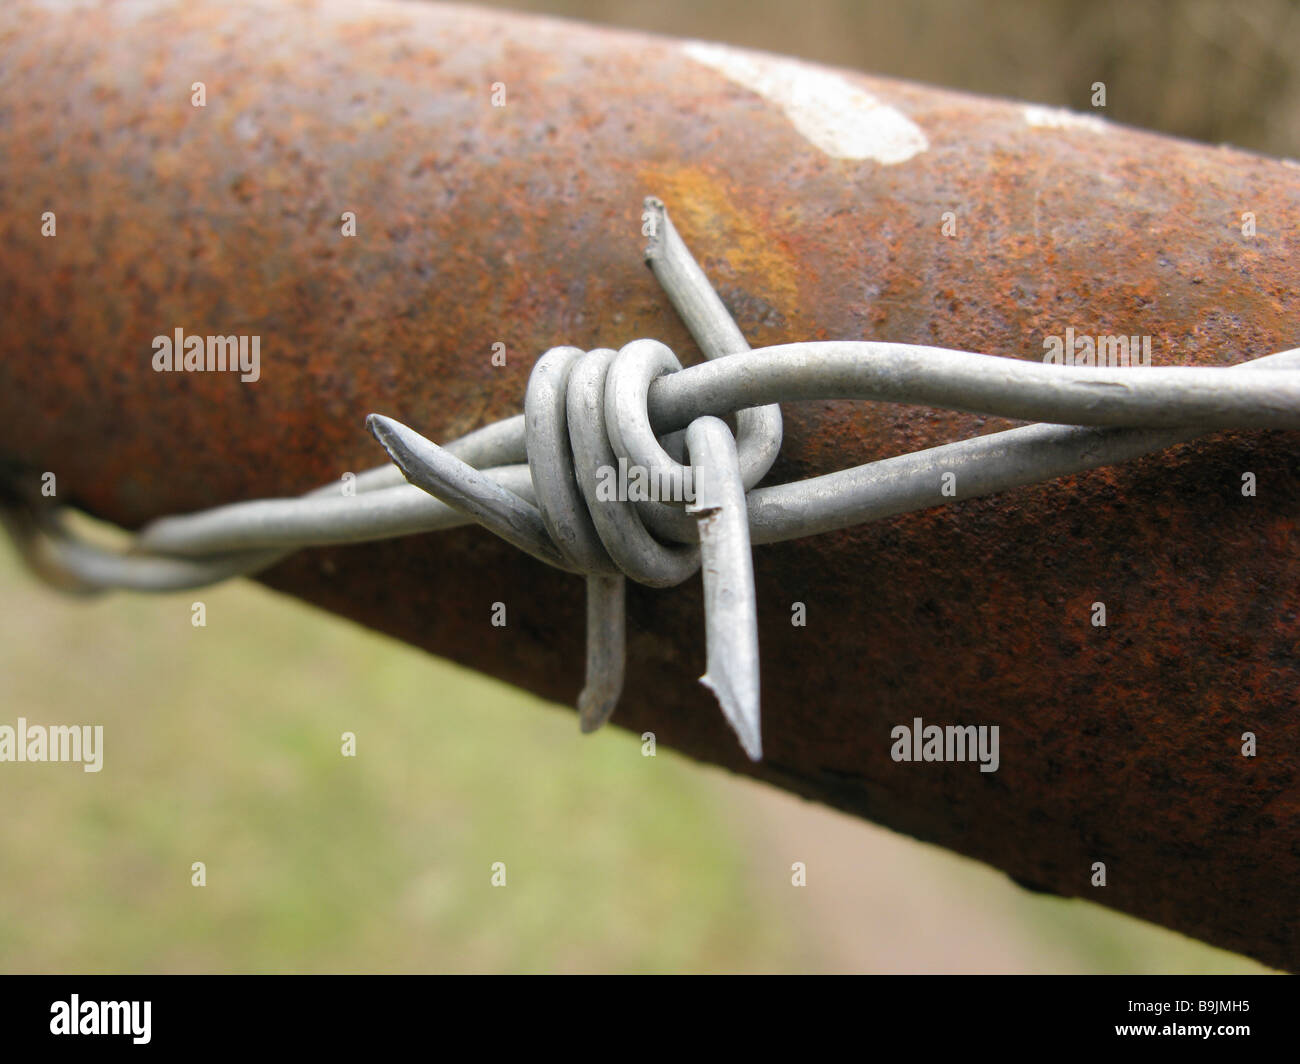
{"x": 541, "y": 480}
{"x": 730, "y": 609}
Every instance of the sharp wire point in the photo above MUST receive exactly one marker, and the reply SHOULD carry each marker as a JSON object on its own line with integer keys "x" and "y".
{"x": 462, "y": 487}
{"x": 741, "y": 712}
{"x": 730, "y": 607}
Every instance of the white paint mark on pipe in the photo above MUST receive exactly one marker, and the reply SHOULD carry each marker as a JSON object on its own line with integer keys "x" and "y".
{"x": 839, "y": 118}
{"x": 1059, "y": 118}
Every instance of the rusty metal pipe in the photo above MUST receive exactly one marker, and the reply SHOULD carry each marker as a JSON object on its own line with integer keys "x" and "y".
{"x": 905, "y": 214}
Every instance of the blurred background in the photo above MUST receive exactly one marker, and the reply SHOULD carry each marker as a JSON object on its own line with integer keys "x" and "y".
{"x": 618, "y": 863}
{"x": 222, "y": 745}
{"x": 1212, "y": 71}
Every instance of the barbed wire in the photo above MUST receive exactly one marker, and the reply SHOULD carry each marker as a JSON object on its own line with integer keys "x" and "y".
{"x": 538, "y": 480}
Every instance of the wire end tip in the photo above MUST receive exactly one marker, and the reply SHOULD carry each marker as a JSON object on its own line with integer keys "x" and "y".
{"x": 741, "y": 708}
{"x": 654, "y": 226}
{"x": 395, "y": 438}
{"x": 594, "y": 711}
{"x": 379, "y": 426}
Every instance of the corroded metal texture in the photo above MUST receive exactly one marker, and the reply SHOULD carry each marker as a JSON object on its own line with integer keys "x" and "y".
{"x": 478, "y": 224}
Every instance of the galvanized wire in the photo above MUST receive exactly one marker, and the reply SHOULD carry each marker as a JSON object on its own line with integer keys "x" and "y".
{"x": 532, "y": 478}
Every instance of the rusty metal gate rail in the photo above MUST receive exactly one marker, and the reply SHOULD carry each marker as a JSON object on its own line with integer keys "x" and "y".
{"x": 534, "y": 479}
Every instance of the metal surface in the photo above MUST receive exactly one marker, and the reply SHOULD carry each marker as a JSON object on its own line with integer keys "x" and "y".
{"x": 571, "y": 440}
{"x": 479, "y": 225}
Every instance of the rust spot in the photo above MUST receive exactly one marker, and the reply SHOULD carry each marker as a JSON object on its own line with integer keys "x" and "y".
{"x": 711, "y": 213}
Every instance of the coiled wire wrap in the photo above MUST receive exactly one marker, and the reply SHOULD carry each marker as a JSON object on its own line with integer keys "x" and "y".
{"x": 533, "y": 479}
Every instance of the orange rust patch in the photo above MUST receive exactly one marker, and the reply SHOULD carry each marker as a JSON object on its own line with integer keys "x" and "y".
{"x": 708, "y": 216}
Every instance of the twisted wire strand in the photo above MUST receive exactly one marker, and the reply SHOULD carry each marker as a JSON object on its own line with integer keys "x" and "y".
{"x": 532, "y": 478}
{"x": 385, "y": 506}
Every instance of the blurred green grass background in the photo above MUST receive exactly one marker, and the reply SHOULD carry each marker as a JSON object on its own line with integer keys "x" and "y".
{"x": 223, "y": 744}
